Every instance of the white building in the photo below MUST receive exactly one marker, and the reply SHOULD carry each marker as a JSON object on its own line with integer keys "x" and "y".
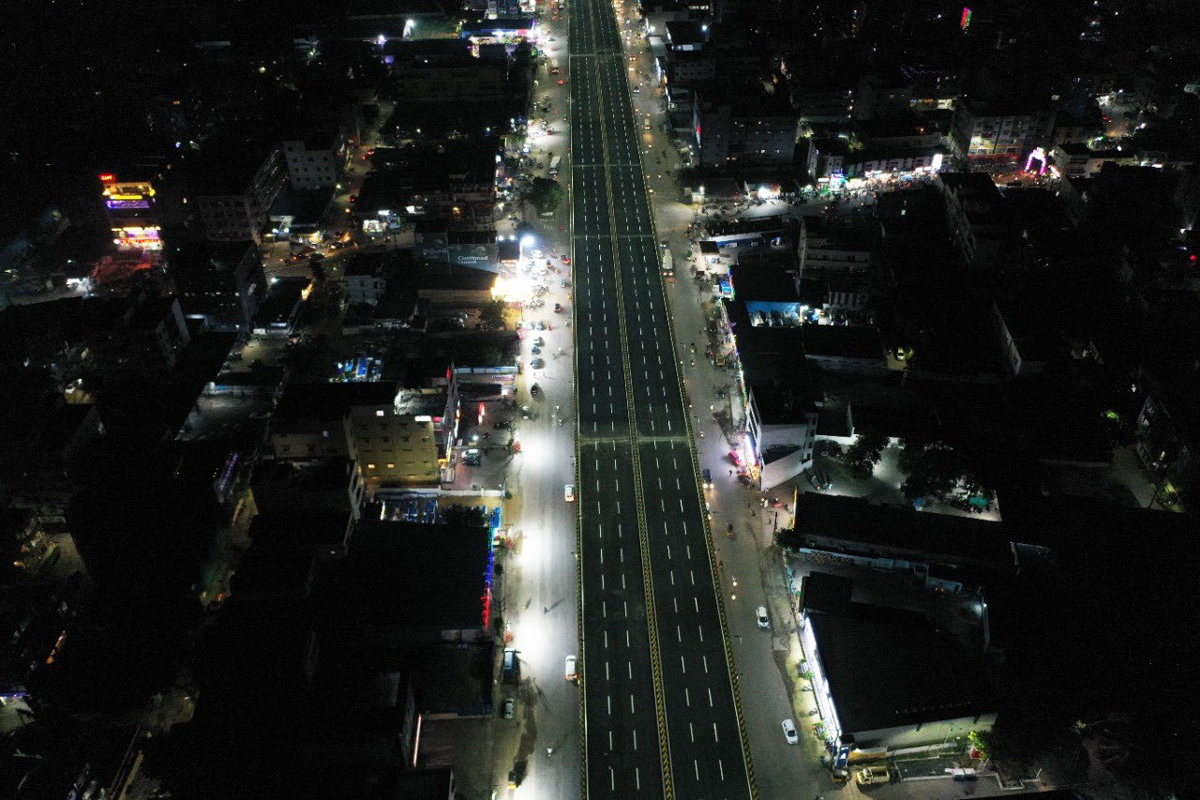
{"x": 317, "y": 161}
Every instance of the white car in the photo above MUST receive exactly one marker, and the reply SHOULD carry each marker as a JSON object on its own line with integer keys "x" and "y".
{"x": 569, "y": 492}
{"x": 789, "y": 732}
{"x": 569, "y": 669}
{"x": 764, "y": 621}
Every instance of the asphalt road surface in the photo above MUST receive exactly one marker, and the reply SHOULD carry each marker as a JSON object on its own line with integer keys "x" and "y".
{"x": 660, "y": 717}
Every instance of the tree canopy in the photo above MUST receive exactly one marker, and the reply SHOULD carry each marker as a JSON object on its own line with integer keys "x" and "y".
{"x": 545, "y": 194}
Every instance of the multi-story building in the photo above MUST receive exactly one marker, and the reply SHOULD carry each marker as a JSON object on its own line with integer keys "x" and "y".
{"x": 317, "y": 160}
{"x": 1079, "y": 160}
{"x": 367, "y": 278}
{"x": 782, "y": 424}
{"x": 443, "y": 70}
{"x": 234, "y": 197}
{"x": 134, "y": 334}
{"x": 747, "y": 129}
{"x": 821, "y": 256}
{"x": 989, "y": 133}
{"x": 657, "y": 13}
{"x": 396, "y": 434}
{"x": 974, "y": 215}
{"x": 130, "y": 207}
{"x": 220, "y": 284}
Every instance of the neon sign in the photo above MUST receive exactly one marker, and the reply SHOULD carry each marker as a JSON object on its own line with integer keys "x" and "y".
{"x": 1039, "y": 155}
{"x": 965, "y": 21}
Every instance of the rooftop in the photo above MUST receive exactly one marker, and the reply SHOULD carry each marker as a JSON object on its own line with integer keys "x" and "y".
{"x": 422, "y": 402}
{"x": 843, "y": 341}
{"x": 780, "y": 404}
{"x": 884, "y": 674}
{"x": 901, "y": 529}
{"x": 763, "y": 282}
{"x": 414, "y": 575}
{"x": 330, "y": 401}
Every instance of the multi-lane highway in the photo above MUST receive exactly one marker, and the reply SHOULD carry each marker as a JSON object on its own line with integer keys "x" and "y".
{"x": 660, "y": 712}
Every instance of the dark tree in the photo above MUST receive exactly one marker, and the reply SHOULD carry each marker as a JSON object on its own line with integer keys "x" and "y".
{"x": 862, "y": 456}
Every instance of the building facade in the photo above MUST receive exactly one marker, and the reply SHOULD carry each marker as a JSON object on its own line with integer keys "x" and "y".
{"x": 317, "y": 161}
{"x": 234, "y": 211}
{"x": 982, "y": 133}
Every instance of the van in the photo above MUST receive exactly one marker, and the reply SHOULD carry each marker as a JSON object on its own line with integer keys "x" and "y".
{"x": 872, "y": 775}
{"x": 511, "y": 670}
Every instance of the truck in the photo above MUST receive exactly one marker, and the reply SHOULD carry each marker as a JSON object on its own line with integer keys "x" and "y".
{"x": 555, "y": 163}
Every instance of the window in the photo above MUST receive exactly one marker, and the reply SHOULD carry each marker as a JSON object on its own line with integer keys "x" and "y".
{"x": 379, "y": 412}
{"x": 391, "y": 466}
{"x": 370, "y": 466}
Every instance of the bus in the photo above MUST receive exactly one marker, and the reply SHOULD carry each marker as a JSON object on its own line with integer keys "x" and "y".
{"x": 554, "y": 164}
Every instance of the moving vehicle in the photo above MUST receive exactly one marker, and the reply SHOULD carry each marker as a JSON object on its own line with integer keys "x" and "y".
{"x": 535, "y": 390}
{"x": 789, "y": 732}
{"x": 569, "y": 669}
{"x": 764, "y": 621}
{"x": 707, "y": 476}
{"x": 569, "y": 493}
{"x": 872, "y": 775}
{"x": 555, "y": 163}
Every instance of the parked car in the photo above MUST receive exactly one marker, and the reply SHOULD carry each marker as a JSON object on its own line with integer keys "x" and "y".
{"x": 569, "y": 669}
{"x": 707, "y": 476}
{"x": 872, "y": 775}
{"x": 569, "y": 493}
{"x": 510, "y": 706}
{"x": 789, "y": 732}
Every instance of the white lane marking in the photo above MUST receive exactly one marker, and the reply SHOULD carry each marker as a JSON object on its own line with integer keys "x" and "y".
{"x": 710, "y": 700}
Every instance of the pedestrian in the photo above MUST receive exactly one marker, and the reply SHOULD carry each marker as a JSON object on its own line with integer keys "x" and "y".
{"x": 731, "y": 473}
{"x": 545, "y": 609}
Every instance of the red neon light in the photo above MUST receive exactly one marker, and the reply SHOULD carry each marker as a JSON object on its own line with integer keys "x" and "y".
{"x": 966, "y": 18}
{"x": 107, "y": 177}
